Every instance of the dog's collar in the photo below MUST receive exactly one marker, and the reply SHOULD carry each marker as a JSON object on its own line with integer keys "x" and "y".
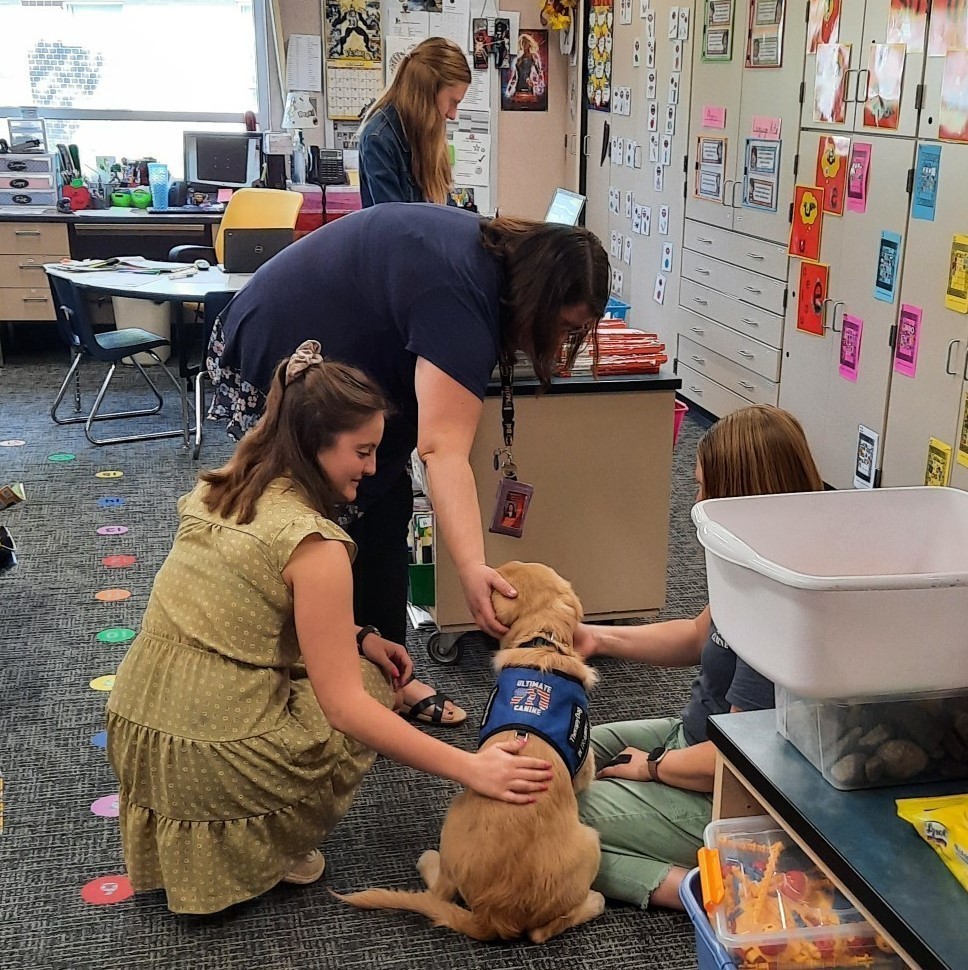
{"x": 541, "y": 641}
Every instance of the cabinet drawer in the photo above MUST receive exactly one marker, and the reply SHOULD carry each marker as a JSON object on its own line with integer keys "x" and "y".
{"x": 26, "y": 303}
{"x": 705, "y": 392}
{"x": 742, "y": 381}
{"x": 35, "y": 238}
{"x": 25, "y": 270}
{"x": 746, "y": 352}
{"x": 755, "y": 288}
{"x": 746, "y": 252}
{"x": 20, "y": 164}
{"x": 27, "y": 182}
{"x": 747, "y": 319}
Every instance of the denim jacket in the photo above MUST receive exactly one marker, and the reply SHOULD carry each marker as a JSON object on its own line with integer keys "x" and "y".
{"x": 386, "y": 166}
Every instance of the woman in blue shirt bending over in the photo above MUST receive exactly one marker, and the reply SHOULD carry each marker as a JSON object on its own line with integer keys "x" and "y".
{"x": 653, "y": 796}
{"x": 403, "y": 140}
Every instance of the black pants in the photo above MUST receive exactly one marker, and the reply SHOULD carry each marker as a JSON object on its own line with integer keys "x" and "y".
{"x": 380, "y": 574}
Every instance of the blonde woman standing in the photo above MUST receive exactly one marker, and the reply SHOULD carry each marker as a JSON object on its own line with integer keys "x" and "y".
{"x": 403, "y": 141}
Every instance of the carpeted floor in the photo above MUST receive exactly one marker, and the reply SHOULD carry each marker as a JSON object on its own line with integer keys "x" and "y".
{"x": 53, "y": 844}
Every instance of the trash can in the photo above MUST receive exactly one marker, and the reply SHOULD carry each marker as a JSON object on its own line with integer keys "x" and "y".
{"x": 150, "y": 316}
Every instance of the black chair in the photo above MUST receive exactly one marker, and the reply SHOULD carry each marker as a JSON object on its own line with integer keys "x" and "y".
{"x": 112, "y": 347}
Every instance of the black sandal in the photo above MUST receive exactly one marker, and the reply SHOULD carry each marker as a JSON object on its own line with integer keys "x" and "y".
{"x": 431, "y": 710}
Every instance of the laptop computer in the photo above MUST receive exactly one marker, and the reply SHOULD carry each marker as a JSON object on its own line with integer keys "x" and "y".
{"x": 245, "y": 250}
{"x": 565, "y": 207}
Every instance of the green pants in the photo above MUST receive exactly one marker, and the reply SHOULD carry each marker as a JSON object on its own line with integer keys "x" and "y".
{"x": 645, "y": 827}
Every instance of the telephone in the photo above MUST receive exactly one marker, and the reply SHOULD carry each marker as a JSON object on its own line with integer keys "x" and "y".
{"x": 326, "y": 166}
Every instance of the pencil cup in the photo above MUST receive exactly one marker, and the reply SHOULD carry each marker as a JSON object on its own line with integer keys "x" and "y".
{"x": 158, "y": 181}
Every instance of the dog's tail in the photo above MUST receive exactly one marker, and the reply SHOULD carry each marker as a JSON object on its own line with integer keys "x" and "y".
{"x": 440, "y": 911}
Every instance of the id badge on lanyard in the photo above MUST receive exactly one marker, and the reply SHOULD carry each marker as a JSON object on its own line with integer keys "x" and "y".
{"x": 513, "y": 497}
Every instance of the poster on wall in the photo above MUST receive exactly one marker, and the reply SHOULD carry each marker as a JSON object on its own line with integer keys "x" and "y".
{"x": 908, "y": 336}
{"x": 865, "y": 465}
{"x": 524, "y": 85}
{"x": 906, "y": 24}
{"x": 852, "y": 329}
{"x": 717, "y": 30}
{"x": 938, "y": 469}
{"x": 598, "y": 90}
{"x": 885, "y": 69}
{"x": 953, "y": 113}
{"x": 857, "y": 174}
{"x": 963, "y": 436}
{"x": 710, "y": 168}
{"x": 927, "y": 172}
{"x": 813, "y": 295}
{"x": 888, "y": 263}
{"x": 761, "y": 174}
{"x": 823, "y": 23}
{"x": 353, "y": 32}
{"x": 956, "y": 294}
{"x": 807, "y": 222}
{"x": 949, "y": 27}
{"x": 764, "y": 44}
{"x": 832, "y": 159}
{"x": 830, "y": 85}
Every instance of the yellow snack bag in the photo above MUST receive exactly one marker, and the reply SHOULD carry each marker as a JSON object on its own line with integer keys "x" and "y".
{"x": 943, "y": 823}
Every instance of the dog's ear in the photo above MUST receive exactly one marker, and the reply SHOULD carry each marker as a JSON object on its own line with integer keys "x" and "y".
{"x": 505, "y": 609}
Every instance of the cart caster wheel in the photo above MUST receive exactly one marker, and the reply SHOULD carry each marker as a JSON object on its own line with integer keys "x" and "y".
{"x": 444, "y": 648}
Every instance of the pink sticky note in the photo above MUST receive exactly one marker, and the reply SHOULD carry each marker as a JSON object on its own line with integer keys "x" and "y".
{"x": 851, "y": 332}
{"x": 766, "y": 127}
{"x": 908, "y": 337}
{"x": 224, "y": 195}
{"x": 713, "y": 116}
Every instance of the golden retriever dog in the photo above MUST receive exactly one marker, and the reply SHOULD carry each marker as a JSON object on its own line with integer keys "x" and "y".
{"x": 521, "y": 870}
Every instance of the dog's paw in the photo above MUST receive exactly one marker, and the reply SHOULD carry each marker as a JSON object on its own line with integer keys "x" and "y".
{"x": 598, "y": 901}
{"x": 428, "y": 865}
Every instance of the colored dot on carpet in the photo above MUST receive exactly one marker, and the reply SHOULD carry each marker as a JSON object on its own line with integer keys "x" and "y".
{"x": 106, "y": 890}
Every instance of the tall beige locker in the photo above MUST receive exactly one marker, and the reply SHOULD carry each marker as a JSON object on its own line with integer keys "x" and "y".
{"x": 732, "y": 293}
{"x": 637, "y": 181}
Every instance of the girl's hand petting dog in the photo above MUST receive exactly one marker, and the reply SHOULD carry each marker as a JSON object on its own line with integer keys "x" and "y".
{"x": 498, "y": 771}
{"x": 630, "y": 764}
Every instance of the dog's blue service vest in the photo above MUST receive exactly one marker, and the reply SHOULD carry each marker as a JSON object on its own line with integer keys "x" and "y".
{"x": 551, "y": 705}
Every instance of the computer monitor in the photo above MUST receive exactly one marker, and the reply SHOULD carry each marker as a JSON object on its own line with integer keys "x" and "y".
{"x": 222, "y": 159}
{"x": 565, "y": 207}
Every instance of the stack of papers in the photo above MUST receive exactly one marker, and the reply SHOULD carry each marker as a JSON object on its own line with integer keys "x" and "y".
{"x": 621, "y": 350}
{"x": 125, "y": 264}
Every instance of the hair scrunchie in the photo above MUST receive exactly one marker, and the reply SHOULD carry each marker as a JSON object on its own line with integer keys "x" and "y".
{"x": 307, "y": 354}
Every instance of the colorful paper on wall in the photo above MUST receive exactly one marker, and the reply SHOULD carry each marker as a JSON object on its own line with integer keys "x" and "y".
{"x": 906, "y": 24}
{"x": 763, "y": 126}
{"x": 908, "y": 337}
{"x": 599, "y": 86}
{"x": 833, "y": 153}
{"x": 823, "y": 23}
{"x": 865, "y": 464}
{"x": 717, "y": 30}
{"x": 963, "y": 435}
{"x": 927, "y": 172}
{"x": 713, "y": 116}
{"x": 710, "y": 168}
{"x": 857, "y": 175}
{"x": 953, "y": 112}
{"x": 888, "y": 263}
{"x": 764, "y": 43}
{"x": 813, "y": 294}
{"x": 830, "y": 84}
{"x": 807, "y": 222}
{"x": 761, "y": 174}
{"x": 956, "y": 295}
{"x": 885, "y": 70}
{"x": 949, "y": 27}
{"x": 938, "y": 468}
{"x": 850, "y": 336}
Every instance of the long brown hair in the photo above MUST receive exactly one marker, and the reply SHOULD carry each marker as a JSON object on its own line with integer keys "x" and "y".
{"x": 433, "y": 64}
{"x": 547, "y": 267}
{"x": 758, "y": 450}
{"x": 299, "y": 421}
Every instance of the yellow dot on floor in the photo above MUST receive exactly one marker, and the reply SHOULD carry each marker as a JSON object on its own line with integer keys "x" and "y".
{"x": 105, "y": 683}
{"x": 109, "y": 474}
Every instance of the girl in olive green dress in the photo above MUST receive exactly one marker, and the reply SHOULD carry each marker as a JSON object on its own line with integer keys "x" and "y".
{"x": 250, "y": 706}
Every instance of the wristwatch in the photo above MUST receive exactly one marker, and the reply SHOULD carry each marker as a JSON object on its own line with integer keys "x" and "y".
{"x": 655, "y": 757}
{"x": 363, "y": 633}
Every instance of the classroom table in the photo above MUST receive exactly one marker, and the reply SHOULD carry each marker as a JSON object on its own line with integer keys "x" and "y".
{"x": 176, "y": 292}
{"x": 855, "y": 837}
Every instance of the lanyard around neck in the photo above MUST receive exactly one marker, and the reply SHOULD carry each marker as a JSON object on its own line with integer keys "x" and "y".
{"x": 503, "y": 460}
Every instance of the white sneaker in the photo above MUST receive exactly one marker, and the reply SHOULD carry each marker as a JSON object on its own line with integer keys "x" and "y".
{"x": 307, "y": 870}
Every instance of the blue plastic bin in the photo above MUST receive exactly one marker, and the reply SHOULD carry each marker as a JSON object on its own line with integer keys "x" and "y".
{"x": 616, "y": 308}
{"x": 709, "y": 950}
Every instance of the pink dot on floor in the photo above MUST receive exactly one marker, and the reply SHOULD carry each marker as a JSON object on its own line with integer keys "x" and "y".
{"x": 106, "y": 806}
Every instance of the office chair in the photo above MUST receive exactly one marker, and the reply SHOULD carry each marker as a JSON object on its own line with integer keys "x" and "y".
{"x": 247, "y": 209}
{"x": 75, "y": 329}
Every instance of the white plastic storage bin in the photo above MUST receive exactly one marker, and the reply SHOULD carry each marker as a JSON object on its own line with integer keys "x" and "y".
{"x": 870, "y": 742}
{"x": 846, "y": 593}
{"x": 146, "y": 315}
{"x": 778, "y": 911}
